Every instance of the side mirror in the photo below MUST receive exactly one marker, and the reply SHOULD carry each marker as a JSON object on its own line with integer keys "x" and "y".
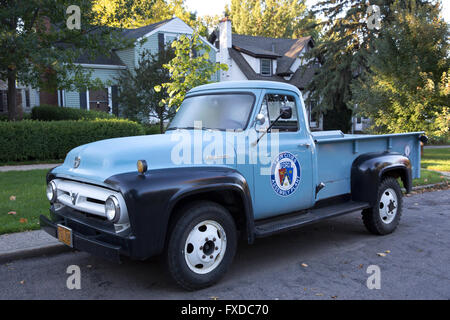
{"x": 286, "y": 112}
{"x": 260, "y": 119}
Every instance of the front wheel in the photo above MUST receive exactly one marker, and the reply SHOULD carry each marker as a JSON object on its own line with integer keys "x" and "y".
{"x": 384, "y": 217}
{"x": 201, "y": 246}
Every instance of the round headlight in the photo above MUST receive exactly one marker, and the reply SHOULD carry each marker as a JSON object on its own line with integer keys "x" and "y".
{"x": 112, "y": 209}
{"x": 51, "y": 191}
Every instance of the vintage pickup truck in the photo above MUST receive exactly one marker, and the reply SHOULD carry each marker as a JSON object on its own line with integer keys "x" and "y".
{"x": 170, "y": 195}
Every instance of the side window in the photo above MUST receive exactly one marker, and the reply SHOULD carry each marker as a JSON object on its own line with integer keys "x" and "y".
{"x": 274, "y": 104}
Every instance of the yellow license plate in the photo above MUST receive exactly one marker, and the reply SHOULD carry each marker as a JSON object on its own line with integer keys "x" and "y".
{"x": 65, "y": 235}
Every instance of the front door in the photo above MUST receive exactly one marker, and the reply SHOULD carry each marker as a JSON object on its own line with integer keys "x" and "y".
{"x": 286, "y": 183}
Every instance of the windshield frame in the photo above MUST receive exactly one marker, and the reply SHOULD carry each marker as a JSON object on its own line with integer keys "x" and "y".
{"x": 252, "y": 108}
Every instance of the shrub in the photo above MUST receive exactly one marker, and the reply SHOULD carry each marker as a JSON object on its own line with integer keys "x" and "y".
{"x": 53, "y": 113}
{"x": 41, "y": 140}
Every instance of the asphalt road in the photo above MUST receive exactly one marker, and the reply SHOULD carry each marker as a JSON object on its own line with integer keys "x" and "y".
{"x": 337, "y": 253}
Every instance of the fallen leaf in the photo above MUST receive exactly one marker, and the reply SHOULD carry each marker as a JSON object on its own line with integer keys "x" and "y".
{"x": 12, "y": 198}
{"x": 319, "y": 294}
{"x": 23, "y": 220}
{"x": 333, "y": 297}
{"x": 425, "y": 180}
{"x": 89, "y": 266}
{"x": 388, "y": 251}
{"x": 304, "y": 265}
{"x": 360, "y": 266}
{"x": 12, "y": 213}
{"x": 22, "y": 282}
{"x": 381, "y": 254}
{"x": 214, "y": 298}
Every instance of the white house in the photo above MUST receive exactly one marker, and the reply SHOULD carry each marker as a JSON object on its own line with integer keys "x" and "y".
{"x": 261, "y": 58}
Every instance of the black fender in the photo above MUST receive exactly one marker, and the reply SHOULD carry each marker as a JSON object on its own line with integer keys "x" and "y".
{"x": 369, "y": 169}
{"x": 152, "y": 197}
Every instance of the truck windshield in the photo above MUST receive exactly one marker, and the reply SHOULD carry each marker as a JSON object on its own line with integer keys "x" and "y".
{"x": 214, "y": 111}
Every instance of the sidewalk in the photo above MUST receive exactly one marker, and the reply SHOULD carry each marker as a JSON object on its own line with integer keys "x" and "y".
{"x": 437, "y": 147}
{"x": 28, "y": 167}
{"x": 28, "y": 244}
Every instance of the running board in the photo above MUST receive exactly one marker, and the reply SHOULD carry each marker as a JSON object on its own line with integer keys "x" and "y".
{"x": 271, "y": 226}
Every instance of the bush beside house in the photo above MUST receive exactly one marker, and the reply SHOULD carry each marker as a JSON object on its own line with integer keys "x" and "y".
{"x": 52, "y": 113}
{"x": 49, "y": 140}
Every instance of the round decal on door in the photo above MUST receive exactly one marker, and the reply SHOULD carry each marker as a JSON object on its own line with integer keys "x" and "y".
{"x": 285, "y": 174}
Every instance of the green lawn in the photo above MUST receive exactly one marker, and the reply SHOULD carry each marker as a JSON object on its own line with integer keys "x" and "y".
{"x": 428, "y": 177}
{"x": 28, "y": 188}
{"x": 436, "y": 159}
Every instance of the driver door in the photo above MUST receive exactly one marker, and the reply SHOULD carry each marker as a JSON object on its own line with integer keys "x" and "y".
{"x": 286, "y": 183}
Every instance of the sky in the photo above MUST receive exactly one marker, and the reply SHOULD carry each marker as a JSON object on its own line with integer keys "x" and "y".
{"x": 213, "y": 7}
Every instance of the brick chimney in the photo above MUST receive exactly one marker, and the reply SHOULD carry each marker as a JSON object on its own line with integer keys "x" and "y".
{"x": 225, "y": 36}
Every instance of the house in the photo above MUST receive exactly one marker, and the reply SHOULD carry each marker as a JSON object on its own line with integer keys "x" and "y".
{"x": 108, "y": 68}
{"x": 26, "y": 97}
{"x": 262, "y": 58}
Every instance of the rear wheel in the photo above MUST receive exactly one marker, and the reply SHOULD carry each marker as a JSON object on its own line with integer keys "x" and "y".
{"x": 201, "y": 246}
{"x": 385, "y": 216}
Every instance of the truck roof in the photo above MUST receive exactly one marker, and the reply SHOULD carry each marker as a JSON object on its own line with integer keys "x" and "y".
{"x": 249, "y": 84}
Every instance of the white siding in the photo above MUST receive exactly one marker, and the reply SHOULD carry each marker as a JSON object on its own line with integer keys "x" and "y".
{"x": 255, "y": 63}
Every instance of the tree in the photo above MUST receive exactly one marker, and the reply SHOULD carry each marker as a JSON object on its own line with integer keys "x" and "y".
{"x": 271, "y": 18}
{"x": 39, "y": 48}
{"x": 407, "y": 86}
{"x": 143, "y": 12}
{"x": 137, "y": 96}
{"x": 190, "y": 68}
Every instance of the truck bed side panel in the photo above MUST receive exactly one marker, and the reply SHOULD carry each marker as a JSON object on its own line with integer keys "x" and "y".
{"x": 336, "y": 155}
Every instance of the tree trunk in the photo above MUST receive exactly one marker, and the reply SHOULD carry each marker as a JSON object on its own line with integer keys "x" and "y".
{"x": 161, "y": 119}
{"x": 12, "y": 109}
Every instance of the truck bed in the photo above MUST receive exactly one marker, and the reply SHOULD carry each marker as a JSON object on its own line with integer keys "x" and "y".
{"x": 336, "y": 152}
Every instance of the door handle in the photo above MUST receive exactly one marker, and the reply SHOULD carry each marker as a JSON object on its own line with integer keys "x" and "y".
{"x": 302, "y": 145}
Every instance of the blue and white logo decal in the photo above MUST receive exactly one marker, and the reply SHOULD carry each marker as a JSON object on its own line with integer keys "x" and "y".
{"x": 285, "y": 174}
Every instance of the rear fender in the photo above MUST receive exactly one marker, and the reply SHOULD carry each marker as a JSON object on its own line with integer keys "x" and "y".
{"x": 368, "y": 170}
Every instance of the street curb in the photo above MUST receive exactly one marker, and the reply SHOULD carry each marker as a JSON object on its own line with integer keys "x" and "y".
{"x": 428, "y": 186}
{"x": 32, "y": 252}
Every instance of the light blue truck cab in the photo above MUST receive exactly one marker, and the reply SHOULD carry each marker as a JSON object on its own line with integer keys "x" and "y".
{"x": 238, "y": 159}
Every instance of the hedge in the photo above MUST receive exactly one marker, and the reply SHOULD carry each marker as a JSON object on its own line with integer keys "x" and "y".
{"x": 42, "y": 140}
{"x": 53, "y": 113}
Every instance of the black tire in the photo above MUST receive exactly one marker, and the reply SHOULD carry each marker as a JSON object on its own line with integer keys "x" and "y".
{"x": 372, "y": 218}
{"x": 188, "y": 219}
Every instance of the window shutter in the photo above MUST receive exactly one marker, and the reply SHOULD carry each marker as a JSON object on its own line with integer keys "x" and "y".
{"x": 161, "y": 43}
{"x": 83, "y": 102}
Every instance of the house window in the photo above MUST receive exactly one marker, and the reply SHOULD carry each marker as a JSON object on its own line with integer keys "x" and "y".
{"x": 27, "y": 98}
{"x": 266, "y": 67}
{"x": 313, "y": 120}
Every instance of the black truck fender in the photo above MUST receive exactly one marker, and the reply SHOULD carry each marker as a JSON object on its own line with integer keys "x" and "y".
{"x": 368, "y": 170}
{"x": 154, "y": 197}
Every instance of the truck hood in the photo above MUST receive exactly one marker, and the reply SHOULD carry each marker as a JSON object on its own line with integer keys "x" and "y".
{"x": 103, "y": 159}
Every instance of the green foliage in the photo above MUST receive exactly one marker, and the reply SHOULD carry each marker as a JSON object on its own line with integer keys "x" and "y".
{"x": 52, "y": 113}
{"x": 407, "y": 86}
{"x": 272, "y": 18}
{"x": 137, "y": 96}
{"x": 142, "y": 12}
{"x": 44, "y": 140}
{"x": 190, "y": 68}
{"x": 39, "y": 50}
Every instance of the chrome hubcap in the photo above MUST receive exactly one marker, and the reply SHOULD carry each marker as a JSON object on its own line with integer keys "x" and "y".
{"x": 205, "y": 247}
{"x": 388, "y": 206}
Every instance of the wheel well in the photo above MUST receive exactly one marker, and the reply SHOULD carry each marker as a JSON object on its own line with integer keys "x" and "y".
{"x": 229, "y": 199}
{"x": 396, "y": 174}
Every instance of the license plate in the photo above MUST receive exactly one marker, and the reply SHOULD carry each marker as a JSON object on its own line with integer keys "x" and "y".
{"x": 65, "y": 235}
